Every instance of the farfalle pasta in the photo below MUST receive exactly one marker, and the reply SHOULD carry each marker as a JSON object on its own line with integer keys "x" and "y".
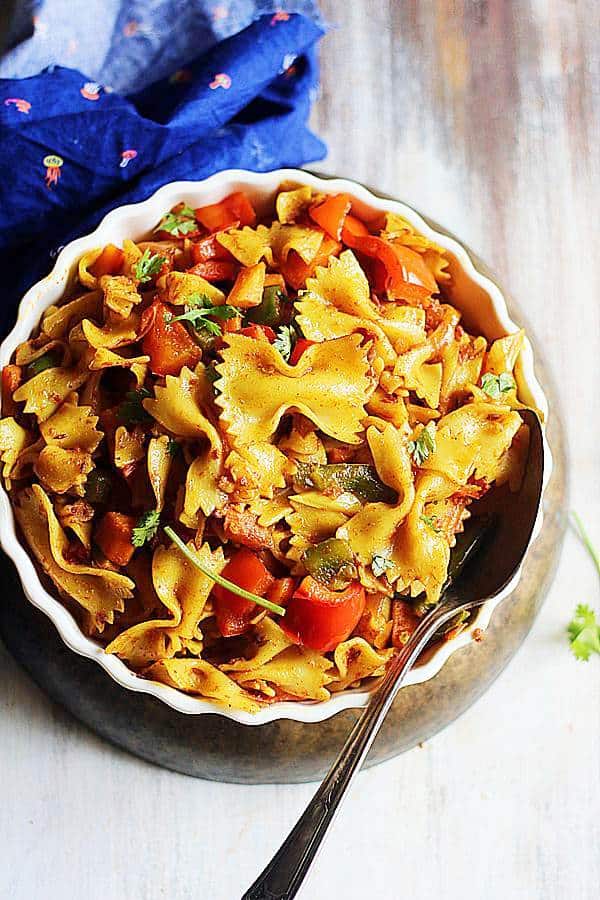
{"x": 241, "y": 450}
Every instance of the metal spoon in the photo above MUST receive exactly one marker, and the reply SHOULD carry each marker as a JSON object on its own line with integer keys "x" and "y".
{"x": 486, "y": 569}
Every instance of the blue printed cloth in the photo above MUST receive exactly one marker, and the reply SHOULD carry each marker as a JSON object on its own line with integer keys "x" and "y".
{"x": 72, "y": 149}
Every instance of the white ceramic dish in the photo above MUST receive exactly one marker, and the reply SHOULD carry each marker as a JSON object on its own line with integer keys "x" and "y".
{"x": 483, "y": 307}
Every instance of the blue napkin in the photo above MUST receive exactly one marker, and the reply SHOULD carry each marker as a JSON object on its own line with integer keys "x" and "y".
{"x": 72, "y": 150}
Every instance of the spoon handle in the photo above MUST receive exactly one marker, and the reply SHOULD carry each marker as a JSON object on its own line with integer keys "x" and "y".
{"x": 283, "y": 876}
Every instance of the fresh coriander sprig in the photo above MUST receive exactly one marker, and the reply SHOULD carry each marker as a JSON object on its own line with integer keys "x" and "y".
{"x": 423, "y": 445}
{"x": 496, "y": 385}
{"x": 150, "y": 264}
{"x": 180, "y": 223}
{"x": 198, "y": 307}
{"x": 584, "y": 629}
{"x": 218, "y": 579}
{"x": 431, "y": 522}
{"x": 146, "y": 528}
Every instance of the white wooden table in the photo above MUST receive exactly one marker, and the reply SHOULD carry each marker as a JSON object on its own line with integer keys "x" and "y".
{"x": 486, "y": 116}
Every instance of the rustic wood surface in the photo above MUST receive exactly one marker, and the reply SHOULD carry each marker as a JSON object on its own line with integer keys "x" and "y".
{"x": 485, "y": 115}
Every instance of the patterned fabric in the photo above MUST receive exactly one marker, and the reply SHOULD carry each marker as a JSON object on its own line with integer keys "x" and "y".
{"x": 72, "y": 149}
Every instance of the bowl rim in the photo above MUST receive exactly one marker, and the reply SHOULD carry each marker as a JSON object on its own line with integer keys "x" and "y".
{"x": 51, "y": 287}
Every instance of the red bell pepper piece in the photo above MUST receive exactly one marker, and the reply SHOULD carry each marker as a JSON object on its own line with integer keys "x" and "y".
{"x": 232, "y": 210}
{"x": 259, "y": 332}
{"x": 233, "y": 613}
{"x": 281, "y": 591}
{"x": 353, "y": 228}
{"x": 393, "y": 266}
{"x": 319, "y": 618}
{"x": 167, "y": 343}
{"x": 110, "y": 262}
{"x": 114, "y": 537}
{"x": 215, "y": 270}
{"x": 331, "y": 213}
{"x": 300, "y": 346}
{"x": 209, "y": 248}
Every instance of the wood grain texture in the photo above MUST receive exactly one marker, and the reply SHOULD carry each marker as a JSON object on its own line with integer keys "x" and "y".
{"x": 485, "y": 115}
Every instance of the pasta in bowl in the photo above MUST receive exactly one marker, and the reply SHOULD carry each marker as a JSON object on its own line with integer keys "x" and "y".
{"x": 241, "y": 441}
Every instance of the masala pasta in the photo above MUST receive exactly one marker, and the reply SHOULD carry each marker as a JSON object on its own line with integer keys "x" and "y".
{"x": 241, "y": 450}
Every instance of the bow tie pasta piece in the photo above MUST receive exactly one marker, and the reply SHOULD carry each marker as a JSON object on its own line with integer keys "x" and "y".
{"x": 421, "y": 553}
{"x": 44, "y": 393}
{"x": 13, "y": 439}
{"x": 250, "y": 245}
{"x": 181, "y": 286}
{"x": 159, "y": 461}
{"x": 196, "y": 676}
{"x": 269, "y": 640}
{"x": 99, "y": 592}
{"x": 371, "y": 531}
{"x": 389, "y": 407}
{"x": 58, "y": 320}
{"x": 315, "y": 517}
{"x": 504, "y": 353}
{"x": 258, "y": 469}
{"x": 403, "y": 325}
{"x": 61, "y": 470}
{"x": 106, "y": 359}
{"x": 303, "y": 443}
{"x": 109, "y": 336}
{"x": 297, "y": 671}
{"x": 178, "y": 408}
{"x": 72, "y": 427}
{"x": 120, "y": 294}
{"x": 329, "y": 385}
{"x": 419, "y": 375}
{"x": 343, "y": 285}
{"x": 471, "y": 441}
{"x": 461, "y": 367}
{"x": 291, "y": 204}
{"x": 184, "y": 590}
{"x": 355, "y": 659}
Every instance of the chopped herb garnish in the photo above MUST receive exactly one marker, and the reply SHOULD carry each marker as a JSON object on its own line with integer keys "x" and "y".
{"x": 218, "y": 579}
{"x": 131, "y": 409}
{"x": 380, "y": 565}
{"x": 584, "y": 629}
{"x": 285, "y": 341}
{"x": 496, "y": 385}
{"x": 431, "y": 521}
{"x": 150, "y": 264}
{"x": 178, "y": 224}
{"x": 198, "y": 307}
{"x": 146, "y": 528}
{"x": 421, "y": 448}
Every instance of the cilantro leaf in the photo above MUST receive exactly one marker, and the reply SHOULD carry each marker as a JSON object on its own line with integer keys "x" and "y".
{"x": 131, "y": 409}
{"x": 380, "y": 564}
{"x": 178, "y": 224}
{"x": 496, "y": 385}
{"x": 197, "y": 309}
{"x": 431, "y": 521}
{"x": 584, "y": 632}
{"x": 150, "y": 264}
{"x": 421, "y": 448}
{"x": 285, "y": 341}
{"x": 146, "y": 528}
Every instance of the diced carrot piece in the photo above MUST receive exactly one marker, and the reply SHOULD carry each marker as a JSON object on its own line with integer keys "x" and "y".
{"x": 274, "y": 279}
{"x": 167, "y": 343}
{"x": 110, "y": 262}
{"x": 114, "y": 537}
{"x": 215, "y": 270}
{"x": 232, "y": 325}
{"x": 247, "y": 290}
{"x": 232, "y": 210}
{"x": 331, "y": 213}
{"x": 296, "y": 271}
{"x": 11, "y": 379}
{"x": 352, "y": 228}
